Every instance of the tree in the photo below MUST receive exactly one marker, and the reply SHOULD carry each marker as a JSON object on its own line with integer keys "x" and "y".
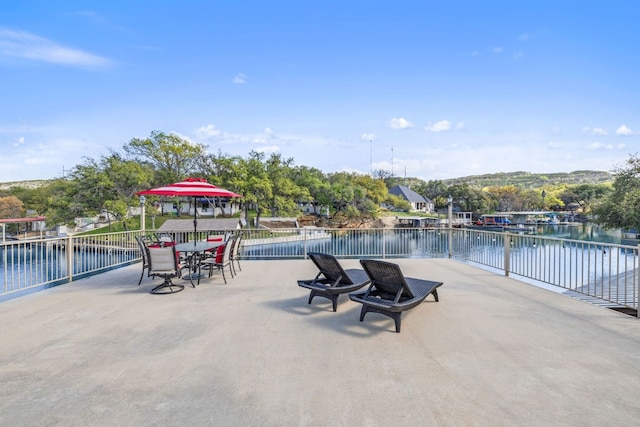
{"x": 357, "y": 196}
{"x": 173, "y": 157}
{"x": 398, "y": 202}
{"x": 62, "y": 206}
{"x": 587, "y": 194}
{"x": 285, "y": 191}
{"x": 106, "y": 185}
{"x": 509, "y": 197}
{"x": 254, "y": 184}
{"x": 11, "y": 207}
{"x": 467, "y": 198}
{"x": 316, "y": 185}
{"x": 621, "y": 207}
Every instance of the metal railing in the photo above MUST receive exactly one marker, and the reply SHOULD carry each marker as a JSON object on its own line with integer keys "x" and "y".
{"x": 34, "y": 264}
{"x": 605, "y": 271}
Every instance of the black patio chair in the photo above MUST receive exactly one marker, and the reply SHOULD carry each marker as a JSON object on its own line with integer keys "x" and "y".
{"x": 390, "y": 292}
{"x": 332, "y": 280}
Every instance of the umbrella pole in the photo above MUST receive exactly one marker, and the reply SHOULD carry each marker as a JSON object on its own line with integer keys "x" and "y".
{"x": 195, "y": 221}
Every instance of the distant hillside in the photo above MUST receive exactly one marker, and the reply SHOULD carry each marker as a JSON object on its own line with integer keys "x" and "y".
{"x": 519, "y": 179}
{"x": 532, "y": 180}
{"x": 24, "y": 184}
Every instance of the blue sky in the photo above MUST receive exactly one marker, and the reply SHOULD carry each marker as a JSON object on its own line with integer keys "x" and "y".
{"x": 429, "y": 89}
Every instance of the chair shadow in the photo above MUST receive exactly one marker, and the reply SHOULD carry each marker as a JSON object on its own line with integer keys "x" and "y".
{"x": 346, "y": 320}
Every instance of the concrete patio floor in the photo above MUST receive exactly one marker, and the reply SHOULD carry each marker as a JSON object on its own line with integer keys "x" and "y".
{"x": 494, "y": 351}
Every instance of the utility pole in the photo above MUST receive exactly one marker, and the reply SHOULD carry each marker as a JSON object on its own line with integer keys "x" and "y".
{"x": 392, "y": 161}
{"x": 371, "y": 157}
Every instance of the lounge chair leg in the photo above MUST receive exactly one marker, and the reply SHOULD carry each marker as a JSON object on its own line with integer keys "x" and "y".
{"x": 141, "y": 276}
{"x": 435, "y": 294}
{"x": 334, "y": 301}
{"x": 397, "y": 318}
{"x": 363, "y": 312}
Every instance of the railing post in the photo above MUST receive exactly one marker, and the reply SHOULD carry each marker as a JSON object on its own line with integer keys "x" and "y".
{"x": 636, "y": 278}
{"x": 5, "y": 265}
{"x": 304, "y": 255}
{"x": 507, "y": 252}
{"x": 384, "y": 245}
{"x": 450, "y": 221}
{"x": 69, "y": 253}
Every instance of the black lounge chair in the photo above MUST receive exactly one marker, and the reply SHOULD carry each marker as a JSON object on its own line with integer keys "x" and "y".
{"x": 390, "y": 293}
{"x": 332, "y": 280}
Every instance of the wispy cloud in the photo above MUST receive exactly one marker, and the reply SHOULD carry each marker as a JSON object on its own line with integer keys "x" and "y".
{"x": 207, "y": 132}
{"x": 368, "y": 136}
{"x": 400, "y": 123}
{"x": 597, "y": 146}
{"x": 240, "y": 79}
{"x": 624, "y": 131}
{"x": 30, "y": 46}
{"x": 497, "y": 49}
{"x": 441, "y": 126}
{"x": 595, "y": 131}
{"x": 524, "y": 36}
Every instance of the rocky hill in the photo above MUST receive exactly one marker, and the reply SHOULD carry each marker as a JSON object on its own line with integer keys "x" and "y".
{"x": 533, "y": 180}
{"x": 24, "y": 184}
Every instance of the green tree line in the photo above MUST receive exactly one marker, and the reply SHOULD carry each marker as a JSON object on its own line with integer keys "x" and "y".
{"x": 276, "y": 186}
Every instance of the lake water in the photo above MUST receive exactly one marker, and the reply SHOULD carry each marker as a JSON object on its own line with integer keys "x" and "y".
{"x": 588, "y": 232}
{"x": 40, "y": 264}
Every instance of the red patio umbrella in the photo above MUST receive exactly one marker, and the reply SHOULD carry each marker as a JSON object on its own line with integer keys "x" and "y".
{"x": 191, "y": 187}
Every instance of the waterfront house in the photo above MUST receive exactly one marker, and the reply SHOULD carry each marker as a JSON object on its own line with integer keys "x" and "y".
{"x": 418, "y": 203}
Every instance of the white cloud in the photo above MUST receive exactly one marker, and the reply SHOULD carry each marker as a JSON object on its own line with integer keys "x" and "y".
{"x": 524, "y": 36}
{"x": 460, "y": 125}
{"x": 268, "y": 149}
{"x": 597, "y": 146}
{"x": 240, "y": 79}
{"x": 518, "y": 55}
{"x": 207, "y": 132}
{"x": 624, "y": 131}
{"x": 36, "y": 161}
{"x": 18, "y": 141}
{"x": 498, "y": 49}
{"x": 554, "y": 145}
{"x": 595, "y": 131}
{"x": 441, "y": 126}
{"x": 26, "y": 45}
{"x": 400, "y": 123}
{"x": 368, "y": 136}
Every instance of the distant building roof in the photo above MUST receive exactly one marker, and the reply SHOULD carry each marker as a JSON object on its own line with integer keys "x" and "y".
{"x": 203, "y": 224}
{"x": 407, "y": 194}
{"x": 12, "y": 220}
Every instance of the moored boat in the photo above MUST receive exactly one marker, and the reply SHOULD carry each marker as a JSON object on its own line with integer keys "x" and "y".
{"x": 499, "y": 222}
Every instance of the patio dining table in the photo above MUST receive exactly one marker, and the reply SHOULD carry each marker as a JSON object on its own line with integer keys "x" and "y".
{"x": 193, "y": 250}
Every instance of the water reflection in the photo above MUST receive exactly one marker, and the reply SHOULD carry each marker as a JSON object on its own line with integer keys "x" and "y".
{"x": 588, "y": 232}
